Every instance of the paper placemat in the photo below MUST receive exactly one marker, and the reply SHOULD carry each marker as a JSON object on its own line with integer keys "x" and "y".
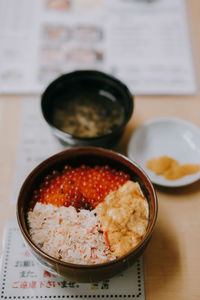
{"x": 35, "y": 144}
{"x": 21, "y": 277}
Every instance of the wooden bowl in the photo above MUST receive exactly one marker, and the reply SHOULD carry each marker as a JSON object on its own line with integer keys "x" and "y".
{"x": 75, "y": 157}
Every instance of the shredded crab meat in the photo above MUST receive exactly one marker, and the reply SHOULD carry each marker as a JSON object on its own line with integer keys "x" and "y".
{"x": 68, "y": 235}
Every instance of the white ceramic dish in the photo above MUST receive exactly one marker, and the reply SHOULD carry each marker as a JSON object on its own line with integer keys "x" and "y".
{"x": 173, "y": 137}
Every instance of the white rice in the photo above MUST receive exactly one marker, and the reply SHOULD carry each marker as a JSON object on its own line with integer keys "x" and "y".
{"x": 68, "y": 235}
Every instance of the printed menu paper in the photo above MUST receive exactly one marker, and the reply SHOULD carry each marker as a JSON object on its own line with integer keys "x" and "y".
{"x": 144, "y": 43}
{"x": 21, "y": 277}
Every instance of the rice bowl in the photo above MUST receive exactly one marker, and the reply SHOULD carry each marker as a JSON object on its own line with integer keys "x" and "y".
{"x": 86, "y": 268}
{"x": 87, "y": 215}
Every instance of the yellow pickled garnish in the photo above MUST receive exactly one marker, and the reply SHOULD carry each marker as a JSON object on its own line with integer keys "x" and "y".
{"x": 170, "y": 168}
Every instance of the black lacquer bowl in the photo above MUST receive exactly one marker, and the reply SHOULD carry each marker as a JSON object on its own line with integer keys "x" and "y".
{"x": 105, "y": 92}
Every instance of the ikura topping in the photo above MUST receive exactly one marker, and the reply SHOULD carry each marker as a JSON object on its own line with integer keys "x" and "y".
{"x": 83, "y": 187}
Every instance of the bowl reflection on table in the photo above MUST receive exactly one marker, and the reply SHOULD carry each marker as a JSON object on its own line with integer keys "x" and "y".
{"x": 87, "y": 108}
{"x": 75, "y": 157}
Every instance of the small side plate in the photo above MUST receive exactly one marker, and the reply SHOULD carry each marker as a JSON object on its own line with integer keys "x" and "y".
{"x": 173, "y": 137}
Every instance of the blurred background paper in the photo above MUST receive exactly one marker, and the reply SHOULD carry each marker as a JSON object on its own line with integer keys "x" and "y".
{"x": 149, "y": 46}
{"x": 144, "y": 43}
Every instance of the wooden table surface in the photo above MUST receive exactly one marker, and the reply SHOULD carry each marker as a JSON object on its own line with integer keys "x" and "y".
{"x": 172, "y": 259}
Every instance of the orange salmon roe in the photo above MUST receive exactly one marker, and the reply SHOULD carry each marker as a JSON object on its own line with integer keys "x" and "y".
{"x": 83, "y": 187}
